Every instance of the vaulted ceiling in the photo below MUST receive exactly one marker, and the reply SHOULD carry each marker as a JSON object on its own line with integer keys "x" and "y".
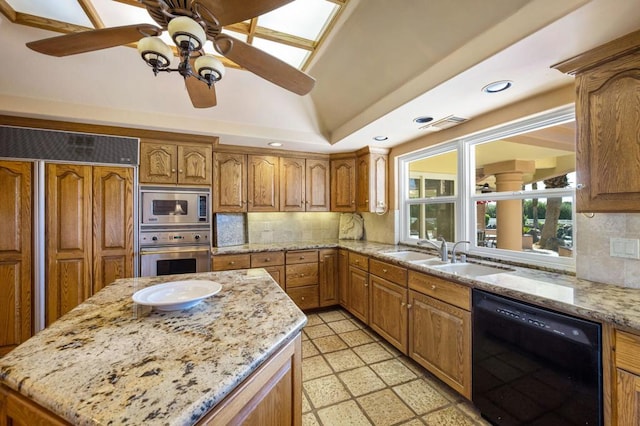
{"x": 381, "y": 64}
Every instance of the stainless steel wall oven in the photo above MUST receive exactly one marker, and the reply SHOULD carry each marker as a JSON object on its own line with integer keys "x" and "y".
{"x": 175, "y": 230}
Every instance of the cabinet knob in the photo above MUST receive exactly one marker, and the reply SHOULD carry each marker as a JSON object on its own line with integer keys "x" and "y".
{"x": 384, "y": 270}
{"x": 409, "y": 306}
{"x": 357, "y": 261}
{"x": 268, "y": 259}
{"x": 302, "y": 275}
{"x": 232, "y": 263}
{"x": 180, "y": 171}
{"x": 581, "y": 186}
{"x": 433, "y": 286}
{"x": 366, "y": 284}
{"x": 402, "y": 305}
{"x": 301, "y": 258}
{"x": 173, "y": 170}
{"x": 302, "y": 298}
{"x": 366, "y": 201}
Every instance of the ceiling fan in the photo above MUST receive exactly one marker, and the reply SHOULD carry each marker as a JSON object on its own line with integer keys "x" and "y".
{"x": 190, "y": 23}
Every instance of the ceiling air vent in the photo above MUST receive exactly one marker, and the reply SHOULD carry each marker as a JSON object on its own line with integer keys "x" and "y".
{"x": 443, "y": 123}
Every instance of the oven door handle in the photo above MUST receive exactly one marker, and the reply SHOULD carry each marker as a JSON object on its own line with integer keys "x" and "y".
{"x": 177, "y": 250}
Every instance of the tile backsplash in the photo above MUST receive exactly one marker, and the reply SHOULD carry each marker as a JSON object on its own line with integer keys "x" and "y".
{"x": 281, "y": 227}
{"x": 593, "y": 259}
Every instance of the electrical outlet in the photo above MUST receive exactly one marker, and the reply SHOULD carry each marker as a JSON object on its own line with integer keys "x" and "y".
{"x": 628, "y": 248}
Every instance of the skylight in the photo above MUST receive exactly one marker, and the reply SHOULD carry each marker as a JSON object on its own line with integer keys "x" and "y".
{"x": 291, "y": 33}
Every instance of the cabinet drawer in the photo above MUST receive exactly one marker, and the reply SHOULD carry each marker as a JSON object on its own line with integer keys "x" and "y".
{"x": 277, "y": 273}
{"x": 359, "y": 261}
{"x": 395, "y": 274}
{"x": 301, "y": 274}
{"x": 305, "y": 297}
{"x": 302, "y": 256}
{"x": 447, "y": 291}
{"x": 226, "y": 262}
{"x": 628, "y": 351}
{"x": 259, "y": 260}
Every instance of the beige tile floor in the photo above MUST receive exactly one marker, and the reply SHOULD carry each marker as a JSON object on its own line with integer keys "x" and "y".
{"x": 353, "y": 377}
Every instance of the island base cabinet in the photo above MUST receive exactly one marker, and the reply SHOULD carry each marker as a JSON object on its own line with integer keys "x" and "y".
{"x": 271, "y": 396}
{"x": 440, "y": 340}
{"x": 16, "y": 410}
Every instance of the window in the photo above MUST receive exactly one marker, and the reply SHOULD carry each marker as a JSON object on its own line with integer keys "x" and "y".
{"x": 509, "y": 191}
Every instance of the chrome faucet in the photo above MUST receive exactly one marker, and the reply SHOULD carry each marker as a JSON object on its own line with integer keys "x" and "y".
{"x": 453, "y": 250}
{"x": 442, "y": 248}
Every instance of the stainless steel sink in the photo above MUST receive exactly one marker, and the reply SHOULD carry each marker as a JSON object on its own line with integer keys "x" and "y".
{"x": 409, "y": 256}
{"x": 469, "y": 269}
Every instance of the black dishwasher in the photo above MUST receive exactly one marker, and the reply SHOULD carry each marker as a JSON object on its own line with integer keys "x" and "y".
{"x": 532, "y": 366}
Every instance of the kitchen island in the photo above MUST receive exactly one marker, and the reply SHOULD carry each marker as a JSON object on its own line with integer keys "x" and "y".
{"x": 111, "y": 361}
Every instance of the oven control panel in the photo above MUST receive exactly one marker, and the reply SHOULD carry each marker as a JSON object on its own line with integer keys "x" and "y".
{"x": 175, "y": 238}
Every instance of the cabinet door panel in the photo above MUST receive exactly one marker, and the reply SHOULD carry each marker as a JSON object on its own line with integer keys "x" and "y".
{"x": 343, "y": 277}
{"x": 69, "y": 251}
{"x": 318, "y": 185}
{"x": 15, "y": 254}
{"x": 158, "y": 163}
{"x": 292, "y": 184}
{"x": 389, "y": 311}
{"x": 194, "y": 164}
{"x": 440, "y": 340}
{"x": 358, "y": 295}
{"x": 627, "y": 398}
{"x": 113, "y": 225}
{"x": 263, "y": 183}
{"x": 343, "y": 185}
{"x": 328, "y": 277}
{"x": 230, "y": 182}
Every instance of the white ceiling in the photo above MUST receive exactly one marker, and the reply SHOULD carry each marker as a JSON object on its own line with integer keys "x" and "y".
{"x": 384, "y": 64}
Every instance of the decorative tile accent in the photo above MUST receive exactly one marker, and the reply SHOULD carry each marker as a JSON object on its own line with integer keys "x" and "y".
{"x": 343, "y": 360}
{"x": 385, "y": 408}
{"x": 345, "y": 413}
{"x": 325, "y": 391}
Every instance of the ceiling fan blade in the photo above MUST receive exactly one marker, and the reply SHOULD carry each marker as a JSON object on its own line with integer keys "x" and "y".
{"x": 202, "y": 96}
{"x": 231, "y": 11}
{"x": 88, "y": 41}
{"x": 264, "y": 65}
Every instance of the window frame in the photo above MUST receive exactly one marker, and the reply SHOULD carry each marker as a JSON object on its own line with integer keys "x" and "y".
{"x": 465, "y": 197}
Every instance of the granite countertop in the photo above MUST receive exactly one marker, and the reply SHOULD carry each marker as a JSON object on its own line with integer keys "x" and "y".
{"x": 110, "y": 361}
{"x": 563, "y": 292}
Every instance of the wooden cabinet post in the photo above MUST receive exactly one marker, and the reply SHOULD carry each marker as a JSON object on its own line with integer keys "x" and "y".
{"x": 15, "y": 253}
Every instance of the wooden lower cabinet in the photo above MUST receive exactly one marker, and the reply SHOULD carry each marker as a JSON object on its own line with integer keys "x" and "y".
{"x": 626, "y": 380}
{"x": 358, "y": 294}
{"x": 273, "y": 263}
{"x": 440, "y": 340}
{"x": 15, "y": 254}
{"x": 302, "y": 278}
{"x": 229, "y": 262}
{"x": 328, "y": 278}
{"x": 270, "y": 396}
{"x": 388, "y": 311}
{"x": 343, "y": 276}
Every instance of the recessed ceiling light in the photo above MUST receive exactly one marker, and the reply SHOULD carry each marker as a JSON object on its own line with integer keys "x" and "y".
{"x": 275, "y": 144}
{"x": 497, "y": 86}
{"x": 380, "y": 138}
{"x": 423, "y": 119}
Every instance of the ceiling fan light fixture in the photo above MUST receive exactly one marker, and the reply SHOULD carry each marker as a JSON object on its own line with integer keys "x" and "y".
{"x": 187, "y": 33}
{"x": 155, "y": 52}
{"x": 210, "y": 68}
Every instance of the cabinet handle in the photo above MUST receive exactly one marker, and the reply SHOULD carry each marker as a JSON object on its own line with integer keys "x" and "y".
{"x": 409, "y": 306}
{"x": 357, "y": 261}
{"x": 232, "y": 262}
{"x": 301, "y": 258}
{"x": 302, "y": 275}
{"x": 402, "y": 305}
{"x": 433, "y": 286}
{"x": 366, "y": 201}
{"x": 384, "y": 270}
{"x": 366, "y": 284}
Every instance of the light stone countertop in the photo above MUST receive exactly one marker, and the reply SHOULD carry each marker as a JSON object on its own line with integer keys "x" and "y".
{"x": 110, "y": 361}
{"x": 562, "y": 292}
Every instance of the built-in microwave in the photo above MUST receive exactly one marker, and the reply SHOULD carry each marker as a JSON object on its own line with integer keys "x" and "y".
{"x": 174, "y": 206}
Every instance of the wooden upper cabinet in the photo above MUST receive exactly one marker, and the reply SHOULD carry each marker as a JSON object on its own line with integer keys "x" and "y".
{"x": 15, "y": 253}
{"x": 343, "y": 185}
{"x": 262, "y": 182}
{"x": 230, "y": 181}
{"x": 371, "y": 182}
{"x": 169, "y": 163}
{"x": 69, "y": 251}
{"x": 113, "y": 225}
{"x": 318, "y": 186}
{"x": 608, "y": 128}
{"x": 292, "y": 184}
